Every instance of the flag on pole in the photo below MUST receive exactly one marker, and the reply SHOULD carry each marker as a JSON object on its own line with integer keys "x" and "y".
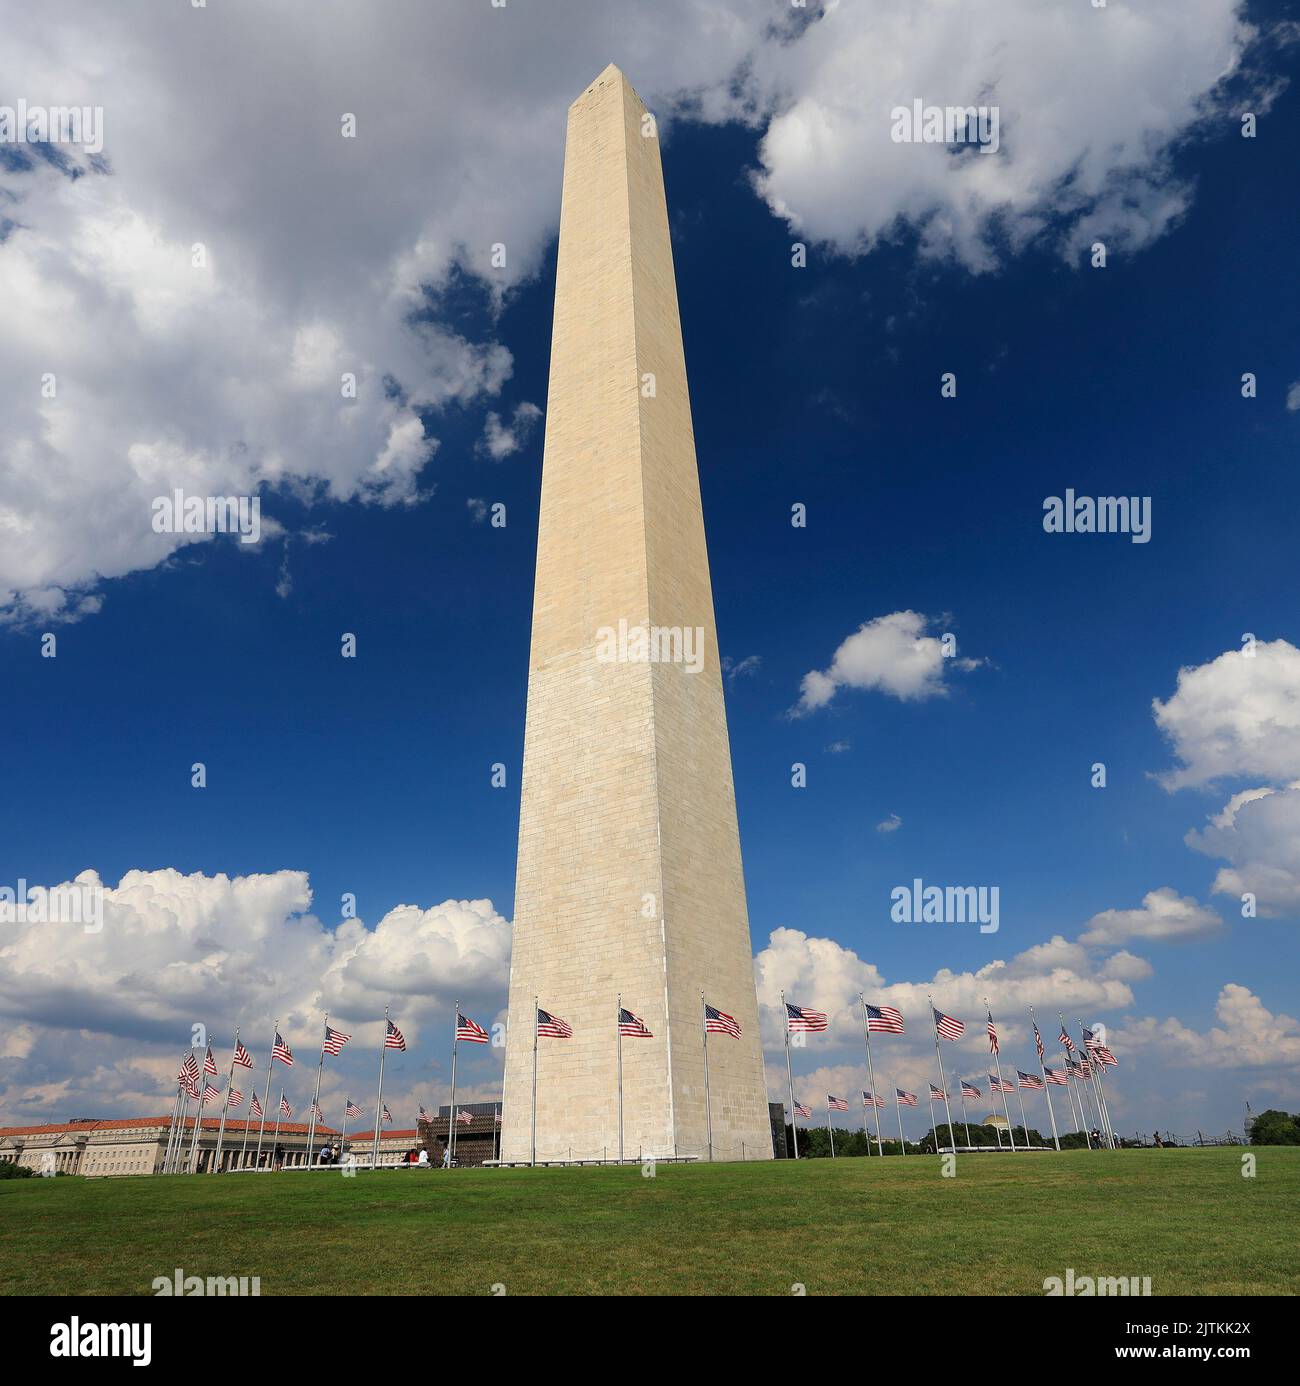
{"x": 801, "y": 1111}
{"x": 996, "y": 1084}
{"x": 280, "y": 1050}
{"x": 720, "y": 1023}
{"x": 234, "y": 1098}
{"x": 255, "y": 1109}
{"x": 464, "y": 1118}
{"x": 1108, "y": 1060}
{"x": 351, "y": 1110}
{"x": 285, "y": 1108}
{"x": 466, "y": 1029}
{"x": 803, "y": 1020}
{"x": 189, "y": 1069}
{"x": 1064, "y": 1038}
{"x": 210, "y": 1064}
{"x": 937, "y": 1094}
{"x": 1084, "y": 1065}
{"x": 969, "y": 1089}
{"x": 869, "y": 1101}
{"x": 552, "y": 1026}
{"x": 334, "y": 1041}
{"x": 393, "y": 1037}
{"x": 632, "y": 1026}
{"x": 191, "y": 1086}
{"x": 1057, "y": 1075}
{"x": 210, "y": 1094}
{"x": 1030, "y": 1081}
{"x": 948, "y": 1027}
{"x": 387, "y": 1115}
{"x": 884, "y": 1020}
{"x": 1038, "y": 1042}
{"x": 837, "y": 1104}
{"x": 424, "y": 1116}
{"x": 243, "y": 1058}
{"x": 993, "y": 1036}
{"x": 905, "y": 1099}
{"x": 316, "y": 1111}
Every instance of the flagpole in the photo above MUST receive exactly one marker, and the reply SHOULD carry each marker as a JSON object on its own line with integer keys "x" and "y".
{"x": 965, "y": 1120}
{"x": 315, "y": 1100}
{"x": 618, "y": 1043}
{"x": 943, "y": 1082}
{"x": 1069, "y": 1090}
{"x": 171, "y": 1130}
{"x": 1084, "y": 1117}
{"x": 182, "y": 1156}
{"x": 1094, "y": 1067}
{"x": 875, "y": 1091}
{"x": 451, "y": 1111}
{"x": 829, "y": 1131}
{"x": 379, "y": 1103}
{"x": 535, "y": 1001}
{"x": 225, "y": 1106}
{"x": 496, "y": 1134}
{"x": 933, "y": 1128}
{"x": 243, "y": 1151}
{"x": 275, "y": 1139}
{"x": 192, "y": 1163}
{"x": 898, "y": 1108}
{"x": 266, "y": 1097}
{"x": 343, "y": 1137}
{"x": 1024, "y": 1123}
{"x": 1047, "y": 1087}
{"x": 789, "y": 1073}
{"x": 708, "y": 1096}
{"x": 1011, "y": 1135}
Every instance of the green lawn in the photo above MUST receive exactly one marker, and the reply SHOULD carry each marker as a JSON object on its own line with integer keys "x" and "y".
{"x": 1186, "y": 1218}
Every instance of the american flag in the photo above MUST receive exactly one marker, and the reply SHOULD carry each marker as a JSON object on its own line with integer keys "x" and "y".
{"x": 280, "y": 1050}
{"x": 191, "y": 1086}
{"x": 993, "y": 1036}
{"x": 464, "y": 1118}
{"x": 255, "y": 1109}
{"x": 393, "y": 1038}
{"x": 837, "y": 1104}
{"x": 801, "y": 1111}
{"x": 947, "y": 1026}
{"x": 352, "y": 1110}
{"x": 189, "y": 1070}
{"x": 334, "y": 1040}
{"x": 969, "y": 1089}
{"x": 1108, "y": 1060}
{"x": 632, "y": 1025}
{"x": 386, "y": 1115}
{"x": 243, "y": 1059}
{"x": 466, "y": 1029}
{"x": 424, "y": 1116}
{"x": 285, "y": 1108}
{"x": 936, "y": 1092}
{"x": 1084, "y": 1065}
{"x": 997, "y": 1085}
{"x": 316, "y": 1111}
{"x": 1064, "y": 1038}
{"x": 552, "y": 1026}
{"x": 869, "y": 1101}
{"x": 905, "y": 1099}
{"x": 234, "y": 1098}
{"x": 210, "y": 1064}
{"x": 802, "y": 1020}
{"x": 210, "y": 1094}
{"x": 1038, "y": 1041}
{"x": 1089, "y": 1039}
{"x": 720, "y": 1023}
{"x": 1030, "y": 1081}
{"x": 1057, "y": 1075}
{"x": 884, "y": 1020}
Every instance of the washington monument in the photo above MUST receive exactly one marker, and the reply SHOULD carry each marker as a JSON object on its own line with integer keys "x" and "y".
{"x": 629, "y": 879}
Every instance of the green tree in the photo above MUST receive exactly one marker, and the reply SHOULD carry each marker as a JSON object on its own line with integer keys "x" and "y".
{"x": 1275, "y": 1128}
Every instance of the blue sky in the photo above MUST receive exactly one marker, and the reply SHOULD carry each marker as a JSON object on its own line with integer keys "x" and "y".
{"x": 817, "y": 385}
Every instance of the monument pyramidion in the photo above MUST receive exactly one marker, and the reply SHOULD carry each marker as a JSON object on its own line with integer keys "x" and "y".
{"x": 629, "y": 877}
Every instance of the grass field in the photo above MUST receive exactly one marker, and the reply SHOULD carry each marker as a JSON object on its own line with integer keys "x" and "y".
{"x": 1186, "y": 1218}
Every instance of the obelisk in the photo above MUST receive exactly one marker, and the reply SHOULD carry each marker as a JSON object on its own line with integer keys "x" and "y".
{"x": 629, "y": 878}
